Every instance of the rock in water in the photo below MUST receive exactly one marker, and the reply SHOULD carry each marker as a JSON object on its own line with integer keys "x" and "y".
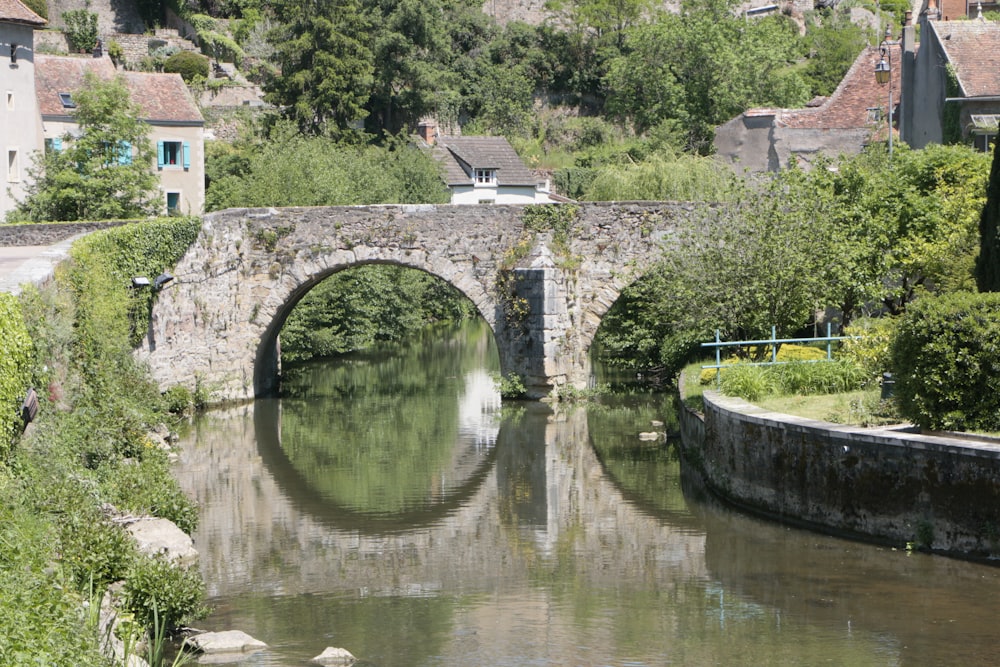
{"x": 335, "y": 656}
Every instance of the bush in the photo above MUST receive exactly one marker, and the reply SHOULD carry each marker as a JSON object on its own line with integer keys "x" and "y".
{"x": 81, "y": 29}
{"x": 40, "y": 7}
{"x": 177, "y": 593}
{"x": 15, "y": 369}
{"x": 870, "y": 351}
{"x": 188, "y": 64}
{"x": 946, "y": 361}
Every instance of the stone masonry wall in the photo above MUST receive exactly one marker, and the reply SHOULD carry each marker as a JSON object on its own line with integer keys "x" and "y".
{"x": 47, "y": 234}
{"x": 218, "y": 322}
{"x": 889, "y": 485}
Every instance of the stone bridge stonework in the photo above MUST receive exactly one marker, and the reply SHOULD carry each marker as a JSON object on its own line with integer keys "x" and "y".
{"x": 543, "y": 287}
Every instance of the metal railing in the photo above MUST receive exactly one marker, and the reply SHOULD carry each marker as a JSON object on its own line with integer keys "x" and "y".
{"x": 775, "y": 343}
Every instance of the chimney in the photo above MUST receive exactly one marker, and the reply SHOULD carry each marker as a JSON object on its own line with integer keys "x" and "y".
{"x": 428, "y": 130}
{"x": 908, "y": 18}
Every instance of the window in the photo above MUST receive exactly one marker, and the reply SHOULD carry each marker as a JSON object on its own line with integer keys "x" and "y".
{"x": 486, "y": 177}
{"x": 874, "y": 114}
{"x": 67, "y": 101}
{"x": 13, "y": 166}
{"x": 487, "y": 201}
{"x": 53, "y": 145}
{"x": 10, "y": 100}
{"x": 173, "y": 203}
{"x": 173, "y": 154}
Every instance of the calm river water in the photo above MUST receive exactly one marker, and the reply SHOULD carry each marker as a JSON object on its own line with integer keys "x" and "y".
{"x": 387, "y": 505}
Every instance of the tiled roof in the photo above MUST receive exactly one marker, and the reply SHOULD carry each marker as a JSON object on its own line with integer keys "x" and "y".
{"x": 973, "y": 48}
{"x": 461, "y": 155}
{"x": 848, "y": 107}
{"x": 163, "y": 98}
{"x": 15, "y": 11}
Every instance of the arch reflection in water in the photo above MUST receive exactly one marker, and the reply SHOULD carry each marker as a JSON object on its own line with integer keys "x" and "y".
{"x": 385, "y": 440}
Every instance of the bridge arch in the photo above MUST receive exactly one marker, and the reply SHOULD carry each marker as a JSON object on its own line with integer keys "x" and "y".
{"x": 543, "y": 291}
{"x": 268, "y": 357}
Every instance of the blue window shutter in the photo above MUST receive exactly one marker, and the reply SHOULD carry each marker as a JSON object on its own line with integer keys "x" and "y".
{"x": 124, "y": 153}
{"x": 57, "y": 144}
{"x": 187, "y": 155}
{"x": 159, "y": 155}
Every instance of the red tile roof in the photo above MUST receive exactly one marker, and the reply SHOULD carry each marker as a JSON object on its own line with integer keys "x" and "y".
{"x": 848, "y": 107}
{"x": 163, "y": 98}
{"x": 15, "y": 11}
{"x": 973, "y": 49}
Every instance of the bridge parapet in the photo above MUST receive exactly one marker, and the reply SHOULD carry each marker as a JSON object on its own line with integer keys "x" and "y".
{"x": 543, "y": 291}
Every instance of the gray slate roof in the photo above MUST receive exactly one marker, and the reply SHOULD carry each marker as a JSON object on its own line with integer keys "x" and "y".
{"x": 461, "y": 155}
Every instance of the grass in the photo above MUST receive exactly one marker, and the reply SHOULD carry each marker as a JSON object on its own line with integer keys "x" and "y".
{"x": 856, "y": 408}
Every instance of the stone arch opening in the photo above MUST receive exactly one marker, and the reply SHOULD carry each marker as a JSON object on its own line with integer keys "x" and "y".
{"x": 267, "y": 361}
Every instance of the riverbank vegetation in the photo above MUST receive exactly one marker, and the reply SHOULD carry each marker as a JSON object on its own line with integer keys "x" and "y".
{"x": 88, "y": 460}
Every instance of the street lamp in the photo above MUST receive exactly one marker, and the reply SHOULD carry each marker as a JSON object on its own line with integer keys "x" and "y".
{"x": 883, "y": 75}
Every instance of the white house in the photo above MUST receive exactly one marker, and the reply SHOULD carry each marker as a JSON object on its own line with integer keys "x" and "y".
{"x": 20, "y": 124}
{"x": 485, "y": 170}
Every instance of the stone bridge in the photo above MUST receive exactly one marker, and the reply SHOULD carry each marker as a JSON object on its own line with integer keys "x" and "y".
{"x": 541, "y": 276}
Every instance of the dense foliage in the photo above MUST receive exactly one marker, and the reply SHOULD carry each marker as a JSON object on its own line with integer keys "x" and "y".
{"x": 88, "y": 455}
{"x": 356, "y": 309}
{"x": 946, "y": 360}
{"x": 291, "y": 169}
{"x": 188, "y": 64}
{"x": 16, "y": 353}
{"x": 100, "y": 173}
{"x": 988, "y": 261}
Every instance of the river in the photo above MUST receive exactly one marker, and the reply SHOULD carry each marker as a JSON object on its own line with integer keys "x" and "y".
{"x": 389, "y": 505}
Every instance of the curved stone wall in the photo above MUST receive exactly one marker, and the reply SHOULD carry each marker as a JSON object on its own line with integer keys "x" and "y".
{"x": 890, "y": 485}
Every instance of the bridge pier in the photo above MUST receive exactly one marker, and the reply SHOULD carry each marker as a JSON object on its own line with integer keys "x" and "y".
{"x": 537, "y": 337}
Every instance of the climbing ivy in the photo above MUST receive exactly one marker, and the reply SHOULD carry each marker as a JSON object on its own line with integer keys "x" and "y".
{"x": 15, "y": 368}
{"x": 951, "y": 123}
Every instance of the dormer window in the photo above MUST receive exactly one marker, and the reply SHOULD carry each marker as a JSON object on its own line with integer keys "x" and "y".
{"x": 486, "y": 177}
{"x": 67, "y": 100}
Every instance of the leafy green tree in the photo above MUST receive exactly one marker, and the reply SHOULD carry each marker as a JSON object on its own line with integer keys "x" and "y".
{"x": 102, "y": 173}
{"x": 602, "y": 17}
{"x": 834, "y": 45}
{"x": 759, "y": 260}
{"x": 326, "y": 66}
{"x": 291, "y": 169}
{"x": 701, "y": 68}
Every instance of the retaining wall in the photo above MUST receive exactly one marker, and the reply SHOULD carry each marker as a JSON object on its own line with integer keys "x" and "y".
{"x": 47, "y": 234}
{"x": 886, "y": 485}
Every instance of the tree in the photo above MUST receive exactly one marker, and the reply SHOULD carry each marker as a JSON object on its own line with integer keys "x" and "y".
{"x": 103, "y": 172}
{"x": 326, "y": 67}
{"x": 703, "y": 67}
{"x": 988, "y": 261}
{"x": 761, "y": 259}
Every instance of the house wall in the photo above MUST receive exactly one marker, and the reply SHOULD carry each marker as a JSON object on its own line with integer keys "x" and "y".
{"x": 506, "y": 194}
{"x": 190, "y": 182}
{"x": 929, "y": 85}
{"x": 745, "y": 143}
{"x": 18, "y": 111}
{"x": 756, "y": 144}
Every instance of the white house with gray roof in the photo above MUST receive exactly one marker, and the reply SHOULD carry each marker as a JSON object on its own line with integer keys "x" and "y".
{"x": 486, "y": 170}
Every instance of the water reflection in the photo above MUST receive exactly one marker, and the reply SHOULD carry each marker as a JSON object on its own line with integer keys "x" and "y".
{"x": 535, "y": 538}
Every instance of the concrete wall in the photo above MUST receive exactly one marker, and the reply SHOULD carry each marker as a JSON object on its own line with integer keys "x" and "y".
{"x": 928, "y": 93}
{"x": 759, "y": 144}
{"x": 887, "y": 485}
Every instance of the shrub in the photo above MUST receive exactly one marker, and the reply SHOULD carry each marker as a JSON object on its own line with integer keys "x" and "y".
{"x": 870, "y": 351}
{"x": 81, "y": 29}
{"x": 946, "y": 361}
{"x": 15, "y": 369}
{"x": 188, "y": 64}
{"x": 40, "y": 7}
{"x": 749, "y": 382}
{"x": 178, "y": 399}
{"x": 178, "y": 593}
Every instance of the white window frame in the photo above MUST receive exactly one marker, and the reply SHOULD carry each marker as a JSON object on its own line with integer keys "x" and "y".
{"x": 485, "y": 178}
{"x": 10, "y": 100}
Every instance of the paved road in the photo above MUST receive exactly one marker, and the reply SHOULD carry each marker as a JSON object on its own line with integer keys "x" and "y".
{"x": 29, "y": 264}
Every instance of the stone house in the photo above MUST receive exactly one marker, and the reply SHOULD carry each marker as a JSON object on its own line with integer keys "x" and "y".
{"x": 484, "y": 170}
{"x": 43, "y": 106}
{"x": 955, "y": 84}
{"x": 842, "y": 124}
